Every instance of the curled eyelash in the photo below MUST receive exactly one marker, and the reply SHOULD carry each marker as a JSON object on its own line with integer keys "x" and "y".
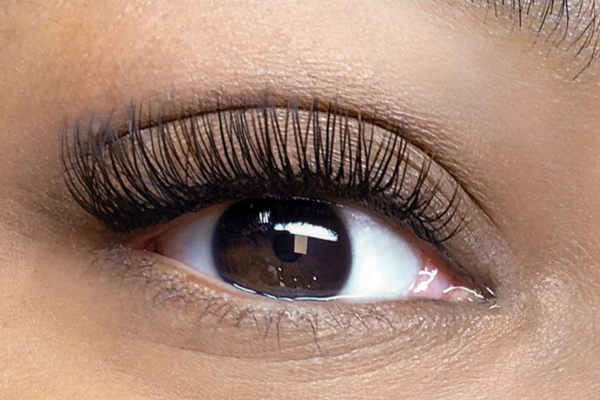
{"x": 146, "y": 175}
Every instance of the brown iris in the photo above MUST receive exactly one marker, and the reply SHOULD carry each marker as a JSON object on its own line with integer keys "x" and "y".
{"x": 286, "y": 248}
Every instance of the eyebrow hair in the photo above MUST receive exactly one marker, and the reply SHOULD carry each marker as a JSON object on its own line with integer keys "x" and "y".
{"x": 570, "y": 25}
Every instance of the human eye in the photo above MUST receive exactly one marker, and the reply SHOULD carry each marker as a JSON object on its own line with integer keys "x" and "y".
{"x": 284, "y": 204}
{"x": 309, "y": 249}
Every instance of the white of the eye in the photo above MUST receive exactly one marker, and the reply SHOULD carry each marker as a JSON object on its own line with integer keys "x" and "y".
{"x": 191, "y": 242}
{"x": 384, "y": 264}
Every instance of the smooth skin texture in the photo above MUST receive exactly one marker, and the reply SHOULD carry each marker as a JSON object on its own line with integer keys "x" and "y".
{"x": 498, "y": 107}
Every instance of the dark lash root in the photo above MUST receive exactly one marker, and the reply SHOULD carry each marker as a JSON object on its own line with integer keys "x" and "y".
{"x": 139, "y": 177}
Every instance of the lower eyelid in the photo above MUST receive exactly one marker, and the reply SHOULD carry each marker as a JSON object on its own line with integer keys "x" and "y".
{"x": 181, "y": 309}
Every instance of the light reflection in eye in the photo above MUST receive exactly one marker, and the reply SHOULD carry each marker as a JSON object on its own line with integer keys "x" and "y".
{"x": 281, "y": 251}
{"x": 422, "y": 286}
{"x": 307, "y": 230}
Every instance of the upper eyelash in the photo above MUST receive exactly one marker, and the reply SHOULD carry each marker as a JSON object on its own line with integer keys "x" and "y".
{"x": 140, "y": 177}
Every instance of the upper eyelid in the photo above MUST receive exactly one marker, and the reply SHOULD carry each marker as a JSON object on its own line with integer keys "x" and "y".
{"x": 422, "y": 132}
{"x": 89, "y": 167}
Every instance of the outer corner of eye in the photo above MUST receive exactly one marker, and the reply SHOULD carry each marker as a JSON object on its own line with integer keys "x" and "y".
{"x": 304, "y": 249}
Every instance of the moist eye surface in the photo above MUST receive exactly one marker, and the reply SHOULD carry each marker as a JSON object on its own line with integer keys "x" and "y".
{"x": 283, "y": 248}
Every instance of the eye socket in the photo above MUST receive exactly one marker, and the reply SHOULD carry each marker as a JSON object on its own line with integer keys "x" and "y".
{"x": 310, "y": 249}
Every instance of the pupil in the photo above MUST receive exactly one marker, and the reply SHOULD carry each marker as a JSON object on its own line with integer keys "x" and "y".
{"x": 283, "y": 248}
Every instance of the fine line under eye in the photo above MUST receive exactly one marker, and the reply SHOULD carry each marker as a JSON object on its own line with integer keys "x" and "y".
{"x": 142, "y": 176}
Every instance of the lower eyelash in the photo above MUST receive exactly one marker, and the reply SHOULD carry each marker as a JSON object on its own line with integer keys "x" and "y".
{"x": 146, "y": 176}
{"x": 276, "y": 329}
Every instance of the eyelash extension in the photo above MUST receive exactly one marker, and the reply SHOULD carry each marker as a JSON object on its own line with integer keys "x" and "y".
{"x": 144, "y": 176}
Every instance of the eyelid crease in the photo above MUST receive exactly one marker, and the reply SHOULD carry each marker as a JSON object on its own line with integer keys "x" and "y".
{"x": 147, "y": 176}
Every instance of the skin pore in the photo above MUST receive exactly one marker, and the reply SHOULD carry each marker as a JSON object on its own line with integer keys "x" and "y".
{"x": 512, "y": 115}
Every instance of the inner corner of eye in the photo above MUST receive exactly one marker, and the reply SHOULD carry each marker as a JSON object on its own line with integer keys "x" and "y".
{"x": 306, "y": 249}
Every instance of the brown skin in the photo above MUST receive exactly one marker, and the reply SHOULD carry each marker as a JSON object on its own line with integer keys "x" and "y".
{"x": 500, "y": 114}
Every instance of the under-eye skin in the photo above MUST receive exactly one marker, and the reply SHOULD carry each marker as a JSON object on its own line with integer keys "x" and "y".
{"x": 152, "y": 180}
